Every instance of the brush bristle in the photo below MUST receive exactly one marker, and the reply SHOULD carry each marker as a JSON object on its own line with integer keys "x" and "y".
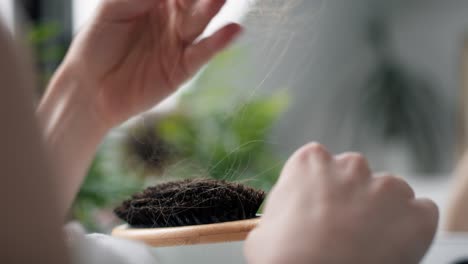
{"x": 190, "y": 202}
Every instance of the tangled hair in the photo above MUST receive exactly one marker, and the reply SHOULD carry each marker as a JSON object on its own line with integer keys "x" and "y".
{"x": 274, "y": 15}
{"x": 190, "y": 202}
{"x": 145, "y": 148}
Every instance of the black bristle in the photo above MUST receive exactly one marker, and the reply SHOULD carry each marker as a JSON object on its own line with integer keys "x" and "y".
{"x": 190, "y": 202}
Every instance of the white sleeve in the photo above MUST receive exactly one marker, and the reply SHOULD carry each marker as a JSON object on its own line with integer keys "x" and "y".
{"x": 103, "y": 249}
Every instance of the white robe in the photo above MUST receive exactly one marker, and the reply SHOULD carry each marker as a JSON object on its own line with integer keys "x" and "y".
{"x": 103, "y": 249}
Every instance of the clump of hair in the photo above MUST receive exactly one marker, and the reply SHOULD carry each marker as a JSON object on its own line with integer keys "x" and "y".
{"x": 190, "y": 202}
{"x": 144, "y": 147}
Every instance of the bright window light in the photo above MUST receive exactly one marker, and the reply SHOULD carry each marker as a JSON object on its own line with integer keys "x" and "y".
{"x": 82, "y": 12}
{"x": 7, "y": 13}
{"x": 232, "y": 12}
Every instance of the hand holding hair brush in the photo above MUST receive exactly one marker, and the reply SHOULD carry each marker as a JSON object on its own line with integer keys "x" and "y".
{"x": 190, "y": 212}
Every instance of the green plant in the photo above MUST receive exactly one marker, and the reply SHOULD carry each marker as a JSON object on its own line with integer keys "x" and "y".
{"x": 102, "y": 188}
{"x": 48, "y": 48}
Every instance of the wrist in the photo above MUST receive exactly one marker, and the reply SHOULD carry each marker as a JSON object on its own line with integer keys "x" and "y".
{"x": 72, "y": 130}
{"x": 69, "y": 97}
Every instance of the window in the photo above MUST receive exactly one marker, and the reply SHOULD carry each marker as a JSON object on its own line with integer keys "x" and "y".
{"x": 82, "y": 11}
{"x": 233, "y": 11}
{"x": 6, "y": 12}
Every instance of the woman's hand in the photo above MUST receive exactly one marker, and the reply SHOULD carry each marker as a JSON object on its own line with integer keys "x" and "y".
{"x": 137, "y": 52}
{"x": 131, "y": 56}
{"x": 328, "y": 209}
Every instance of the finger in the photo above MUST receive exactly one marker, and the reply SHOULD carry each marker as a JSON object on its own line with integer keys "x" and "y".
{"x": 198, "y": 17}
{"x": 309, "y": 163}
{"x": 123, "y": 10}
{"x": 355, "y": 166}
{"x": 200, "y": 53}
{"x": 428, "y": 208}
{"x": 314, "y": 152}
{"x": 385, "y": 183}
{"x": 313, "y": 160}
{"x": 184, "y": 5}
{"x": 428, "y": 213}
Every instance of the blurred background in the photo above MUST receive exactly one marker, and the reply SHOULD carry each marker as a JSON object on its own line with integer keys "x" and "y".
{"x": 385, "y": 78}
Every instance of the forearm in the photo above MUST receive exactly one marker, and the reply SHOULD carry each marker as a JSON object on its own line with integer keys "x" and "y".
{"x": 72, "y": 131}
{"x": 457, "y": 213}
{"x": 457, "y": 216}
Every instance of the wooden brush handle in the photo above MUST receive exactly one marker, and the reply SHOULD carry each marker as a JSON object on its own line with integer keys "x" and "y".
{"x": 188, "y": 235}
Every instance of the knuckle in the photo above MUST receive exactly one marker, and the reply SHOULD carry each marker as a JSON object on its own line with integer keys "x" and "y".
{"x": 312, "y": 160}
{"x": 355, "y": 178}
{"x": 313, "y": 150}
{"x": 391, "y": 183}
{"x": 386, "y": 182}
{"x": 354, "y": 160}
{"x": 357, "y": 158}
{"x": 428, "y": 219}
{"x": 430, "y": 211}
{"x": 358, "y": 162}
{"x": 356, "y": 166}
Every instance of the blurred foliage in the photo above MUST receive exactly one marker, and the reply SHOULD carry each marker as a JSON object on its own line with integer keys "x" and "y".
{"x": 230, "y": 146}
{"x": 218, "y": 130}
{"x": 49, "y": 50}
{"x": 102, "y": 188}
{"x": 398, "y": 105}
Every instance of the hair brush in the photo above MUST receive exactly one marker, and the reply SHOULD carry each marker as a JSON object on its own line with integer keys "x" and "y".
{"x": 189, "y": 212}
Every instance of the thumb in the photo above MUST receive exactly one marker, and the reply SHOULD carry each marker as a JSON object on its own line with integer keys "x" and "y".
{"x": 122, "y": 10}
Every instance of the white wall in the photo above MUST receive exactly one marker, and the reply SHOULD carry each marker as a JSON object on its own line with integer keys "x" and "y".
{"x": 319, "y": 53}
{"x": 430, "y": 35}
